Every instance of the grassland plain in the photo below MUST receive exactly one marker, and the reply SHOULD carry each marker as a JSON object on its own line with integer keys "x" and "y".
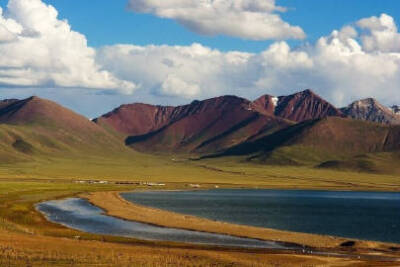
{"x": 27, "y": 239}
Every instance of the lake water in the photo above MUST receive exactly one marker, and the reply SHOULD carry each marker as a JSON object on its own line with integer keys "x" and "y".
{"x": 79, "y": 214}
{"x": 361, "y": 215}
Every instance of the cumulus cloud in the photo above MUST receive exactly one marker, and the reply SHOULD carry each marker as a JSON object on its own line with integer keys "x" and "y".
{"x": 183, "y": 71}
{"x": 247, "y": 19}
{"x": 350, "y": 63}
{"x": 39, "y": 50}
{"x": 383, "y": 34}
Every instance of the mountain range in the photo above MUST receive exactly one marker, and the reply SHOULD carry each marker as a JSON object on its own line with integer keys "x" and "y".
{"x": 298, "y": 129}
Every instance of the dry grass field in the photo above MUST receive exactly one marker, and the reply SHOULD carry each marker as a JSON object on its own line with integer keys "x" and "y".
{"x": 27, "y": 239}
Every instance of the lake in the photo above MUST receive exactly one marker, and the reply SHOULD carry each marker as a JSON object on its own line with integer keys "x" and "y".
{"x": 361, "y": 215}
{"x": 81, "y": 215}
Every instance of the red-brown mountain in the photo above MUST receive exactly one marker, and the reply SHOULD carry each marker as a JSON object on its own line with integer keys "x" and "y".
{"x": 202, "y": 126}
{"x": 305, "y": 105}
{"x": 137, "y": 119}
{"x": 210, "y": 125}
{"x": 213, "y": 124}
{"x": 314, "y": 134}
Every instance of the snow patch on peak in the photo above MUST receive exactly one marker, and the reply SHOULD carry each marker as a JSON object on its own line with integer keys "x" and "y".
{"x": 275, "y": 101}
{"x": 364, "y": 103}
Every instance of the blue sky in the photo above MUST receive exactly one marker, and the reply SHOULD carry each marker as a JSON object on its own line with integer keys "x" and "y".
{"x": 196, "y": 53}
{"x": 109, "y": 22}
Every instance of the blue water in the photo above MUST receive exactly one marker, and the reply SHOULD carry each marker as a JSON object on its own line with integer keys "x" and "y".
{"x": 79, "y": 214}
{"x": 361, "y": 215}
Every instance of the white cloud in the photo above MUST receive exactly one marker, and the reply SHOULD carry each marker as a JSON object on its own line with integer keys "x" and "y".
{"x": 383, "y": 35}
{"x": 247, "y": 19}
{"x": 183, "y": 71}
{"x": 341, "y": 67}
{"x": 173, "y": 85}
{"x": 37, "y": 49}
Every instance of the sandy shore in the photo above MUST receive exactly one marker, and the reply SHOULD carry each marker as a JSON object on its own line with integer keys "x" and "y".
{"x": 116, "y": 206}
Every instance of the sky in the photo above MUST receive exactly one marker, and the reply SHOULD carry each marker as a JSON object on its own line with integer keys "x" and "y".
{"x": 95, "y": 57}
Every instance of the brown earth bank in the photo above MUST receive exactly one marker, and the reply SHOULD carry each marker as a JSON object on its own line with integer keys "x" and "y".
{"x": 116, "y": 206}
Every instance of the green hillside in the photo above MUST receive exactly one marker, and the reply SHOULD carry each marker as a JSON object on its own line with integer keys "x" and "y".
{"x": 37, "y": 129}
{"x": 331, "y": 142}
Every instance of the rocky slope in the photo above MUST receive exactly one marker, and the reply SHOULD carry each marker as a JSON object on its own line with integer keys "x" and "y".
{"x": 370, "y": 109}
{"x": 137, "y": 119}
{"x": 305, "y": 105}
{"x": 213, "y": 124}
{"x": 210, "y": 125}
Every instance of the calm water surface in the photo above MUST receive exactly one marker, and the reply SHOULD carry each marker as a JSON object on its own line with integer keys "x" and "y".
{"x": 362, "y": 215}
{"x": 79, "y": 214}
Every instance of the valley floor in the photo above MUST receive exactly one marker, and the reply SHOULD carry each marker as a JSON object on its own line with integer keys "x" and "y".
{"x": 28, "y": 239}
{"x": 33, "y": 241}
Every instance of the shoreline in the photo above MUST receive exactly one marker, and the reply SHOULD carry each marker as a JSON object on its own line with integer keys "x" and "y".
{"x": 115, "y": 205}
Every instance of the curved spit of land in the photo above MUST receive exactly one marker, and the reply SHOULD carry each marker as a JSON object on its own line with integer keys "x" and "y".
{"x": 80, "y": 214}
{"x": 107, "y": 213}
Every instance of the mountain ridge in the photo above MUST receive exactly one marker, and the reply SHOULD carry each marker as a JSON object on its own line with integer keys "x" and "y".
{"x": 297, "y": 107}
{"x": 214, "y": 124}
{"x": 217, "y": 122}
{"x": 244, "y": 120}
{"x": 299, "y": 129}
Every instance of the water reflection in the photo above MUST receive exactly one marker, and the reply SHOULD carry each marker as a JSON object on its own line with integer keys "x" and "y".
{"x": 79, "y": 214}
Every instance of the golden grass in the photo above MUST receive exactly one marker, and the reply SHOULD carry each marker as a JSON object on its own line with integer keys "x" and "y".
{"x": 27, "y": 239}
{"x": 33, "y": 250}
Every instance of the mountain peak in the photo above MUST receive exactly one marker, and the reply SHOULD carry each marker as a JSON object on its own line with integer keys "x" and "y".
{"x": 266, "y": 104}
{"x": 38, "y": 111}
{"x": 297, "y": 107}
{"x": 305, "y": 105}
{"x": 222, "y": 100}
{"x": 36, "y": 98}
{"x": 366, "y": 101}
{"x": 307, "y": 92}
{"x": 370, "y": 109}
